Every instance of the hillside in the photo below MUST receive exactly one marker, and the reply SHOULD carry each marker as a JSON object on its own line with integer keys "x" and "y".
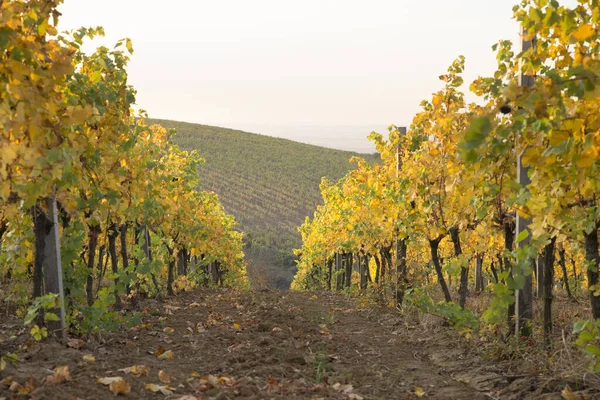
{"x": 269, "y": 184}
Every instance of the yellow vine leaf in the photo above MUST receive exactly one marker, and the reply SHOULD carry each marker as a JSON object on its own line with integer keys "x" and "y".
{"x": 583, "y": 32}
{"x": 558, "y": 136}
{"x": 530, "y": 156}
{"x": 8, "y": 154}
{"x": 587, "y": 158}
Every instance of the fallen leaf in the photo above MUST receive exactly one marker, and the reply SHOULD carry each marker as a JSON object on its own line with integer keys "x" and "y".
{"x": 194, "y": 304}
{"x": 89, "y": 358}
{"x": 140, "y": 327}
{"x": 168, "y": 330}
{"x": 107, "y": 380}
{"x": 15, "y": 387}
{"x": 419, "y": 391}
{"x": 226, "y": 381}
{"x": 166, "y": 390}
{"x": 342, "y": 388}
{"x": 324, "y": 330}
{"x": 116, "y": 384}
{"x": 7, "y": 381}
{"x": 218, "y": 380}
{"x": 61, "y": 374}
{"x": 158, "y": 352}
{"x": 169, "y": 309}
{"x": 236, "y": 325}
{"x": 188, "y": 397}
{"x": 568, "y": 394}
{"x": 136, "y": 370}
{"x": 164, "y": 377}
{"x": 273, "y": 385}
{"x": 234, "y": 347}
{"x": 120, "y": 386}
{"x": 75, "y": 343}
{"x": 276, "y": 329}
{"x": 30, "y": 385}
{"x": 167, "y": 355}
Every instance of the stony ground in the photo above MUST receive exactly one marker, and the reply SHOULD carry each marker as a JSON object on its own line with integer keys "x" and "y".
{"x": 266, "y": 345}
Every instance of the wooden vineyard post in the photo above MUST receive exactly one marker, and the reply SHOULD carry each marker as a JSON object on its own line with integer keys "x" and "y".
{"x": 339, "y": 281}
{"x": 539, "y": 276}
{"x": 348, "y": 264}
{"x": 524, "y": 296}
{"x": 361, "y": 271}
{"x": 479, "y": 272}
{"x": 329, "y": 265}
{"x": 53, "y": 279}
{"x": 400, "y": 243}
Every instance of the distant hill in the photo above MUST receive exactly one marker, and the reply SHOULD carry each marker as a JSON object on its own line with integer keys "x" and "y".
{"x": 269, "y": 184}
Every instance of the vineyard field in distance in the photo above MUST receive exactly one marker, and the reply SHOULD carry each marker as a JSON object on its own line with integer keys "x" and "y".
{"x": 269, "y": 184}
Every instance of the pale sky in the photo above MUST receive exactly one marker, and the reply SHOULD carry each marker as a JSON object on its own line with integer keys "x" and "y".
{"x": 320, "y": 71}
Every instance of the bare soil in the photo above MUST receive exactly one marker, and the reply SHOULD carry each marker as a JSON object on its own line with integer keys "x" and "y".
{"x": 270, "y": 345}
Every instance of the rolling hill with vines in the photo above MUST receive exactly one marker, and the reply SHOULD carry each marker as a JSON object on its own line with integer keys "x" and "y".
{"x": 269, "y": 184}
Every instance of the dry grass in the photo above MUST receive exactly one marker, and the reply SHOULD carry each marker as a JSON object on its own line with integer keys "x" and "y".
{"x": 564, "y": 363}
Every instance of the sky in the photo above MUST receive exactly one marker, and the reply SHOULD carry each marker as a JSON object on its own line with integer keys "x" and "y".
{"x": 325, "y": 72}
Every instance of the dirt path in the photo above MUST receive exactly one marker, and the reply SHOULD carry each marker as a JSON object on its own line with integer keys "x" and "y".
{"x": 267, "y": 345}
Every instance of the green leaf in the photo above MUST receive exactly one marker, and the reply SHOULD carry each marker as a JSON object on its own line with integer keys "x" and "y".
{"x": 592, "y": 349}
{"x": 51, "y": 317}
{"x": 470, "y": 156}
{"x": 476, "y": 132}
{"x": 32, "y": 312}
{"x": 519, "y": 281}
{"x": 586, "y": 336}
{"x": 4, "y": 37}
{"x": 524, "y": 234}
{"x": 579, "y": 326}
{"x": 42, "y": 27}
